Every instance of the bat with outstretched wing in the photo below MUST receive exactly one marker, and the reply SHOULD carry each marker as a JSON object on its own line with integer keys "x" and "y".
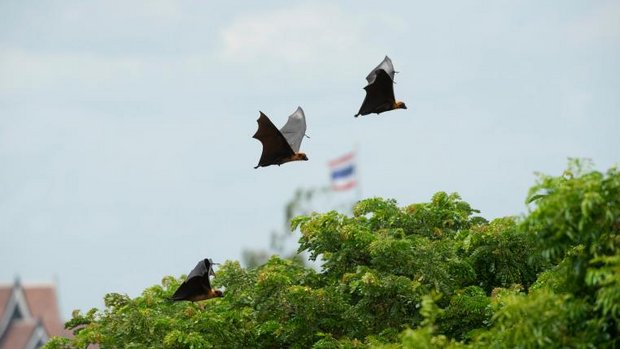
{"x": 380, "y": 90}
{"x": 197, "y": 286}
{"x": 281, "y": 146}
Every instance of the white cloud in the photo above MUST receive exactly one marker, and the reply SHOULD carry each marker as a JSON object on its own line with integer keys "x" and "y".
{"x": 28, "y": 71}
{"x": 310, "y": 46}
{"x": 159, "y": 10}
{"x": 308, "y": 37}
{"x": 293, "y": 34}
{"x": 21, "y": 69}
{"x": 603, "y": 23}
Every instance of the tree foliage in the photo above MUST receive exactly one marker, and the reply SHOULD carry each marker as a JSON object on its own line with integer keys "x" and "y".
{"x": 432, "y": 274}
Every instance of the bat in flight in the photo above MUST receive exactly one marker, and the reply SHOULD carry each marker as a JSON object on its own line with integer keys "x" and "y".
{"x": 197, "y": 286}
{"x": 380, "y": 90}
{"x": 281, "y": 146}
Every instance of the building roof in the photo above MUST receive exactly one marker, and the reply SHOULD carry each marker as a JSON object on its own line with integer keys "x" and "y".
{"x": 29, "y": 315}
{"x": 5, "y": 294}
{"x": 23, "y": 334}
{"x": 43, "y": 305}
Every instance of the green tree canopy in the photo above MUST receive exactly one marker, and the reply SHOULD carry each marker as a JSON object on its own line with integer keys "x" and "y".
{"x": 432, "y": 274}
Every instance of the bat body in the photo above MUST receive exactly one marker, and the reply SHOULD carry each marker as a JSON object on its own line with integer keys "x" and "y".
{"x": 281, "y": 146}
{"x": 380, "y": 90}
{"x": 197, "y": 286}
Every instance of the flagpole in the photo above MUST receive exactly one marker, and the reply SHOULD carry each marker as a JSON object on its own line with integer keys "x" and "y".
{"x": 358, "y": 190}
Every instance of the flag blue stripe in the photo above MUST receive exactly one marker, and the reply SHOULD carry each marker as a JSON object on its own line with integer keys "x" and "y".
{"x": 343, "y": 172}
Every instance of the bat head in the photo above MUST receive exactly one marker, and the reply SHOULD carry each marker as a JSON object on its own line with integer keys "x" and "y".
{"x": 400, "y": 105}
{"x": 301, "y": 156}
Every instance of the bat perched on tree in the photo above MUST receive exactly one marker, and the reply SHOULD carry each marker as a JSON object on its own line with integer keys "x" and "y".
{"x": 197, "y": 286}
{"x": 380, "y": 90}
{"x": 281, "y": 146}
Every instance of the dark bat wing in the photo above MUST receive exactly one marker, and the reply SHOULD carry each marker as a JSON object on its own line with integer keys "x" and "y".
{"x": 203, "y": 268}
{"x": 197, "y": 282}
{"x": 295, "y": 129}
{"x": 189, "y": 290}
{"x": 386, "y": 65}
{"x": 379, "y": 94}
{"x": 275, "y": 146}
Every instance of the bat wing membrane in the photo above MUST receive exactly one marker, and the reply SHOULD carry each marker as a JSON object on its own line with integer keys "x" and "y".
{"x": 385, "y": 65}
{"x": 201, "y": 269}
{"x": 197, "y": 282}
{"x": 379, "y": 94}
{"x": 275, "y": 146}
{"x": 295, "y": 129}
{"x": 189, "y": 288}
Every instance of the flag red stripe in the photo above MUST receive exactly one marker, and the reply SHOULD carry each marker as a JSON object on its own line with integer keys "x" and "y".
{"x": 345, "y": 186}
{"x": 341, "y": 159}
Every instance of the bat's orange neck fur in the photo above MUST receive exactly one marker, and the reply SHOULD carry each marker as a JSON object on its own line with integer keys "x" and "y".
{"x": 211, "y": 294}
{"x": 399, "y": 105}
{"x": 295, "y": 157}
{"x": 215, "y": 293}
{"x": 299, "y": 156}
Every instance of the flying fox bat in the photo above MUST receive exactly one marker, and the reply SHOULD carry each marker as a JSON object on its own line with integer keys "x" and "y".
{"x": 197, "y": 286}
{"x": 380, "y": 90}
{"x": 281, "y": 146}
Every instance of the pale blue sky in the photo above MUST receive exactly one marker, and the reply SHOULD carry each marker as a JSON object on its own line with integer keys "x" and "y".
{"x": 125, "y": 126}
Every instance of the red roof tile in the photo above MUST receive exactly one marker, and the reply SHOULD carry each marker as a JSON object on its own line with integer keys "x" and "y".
{"x": 5, "y": 294}
{"x": 43, "y": 305}
{"x": 18, "y": 334}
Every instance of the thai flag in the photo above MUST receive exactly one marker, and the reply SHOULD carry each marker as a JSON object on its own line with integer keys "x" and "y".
{"x": 342, "y": 172}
